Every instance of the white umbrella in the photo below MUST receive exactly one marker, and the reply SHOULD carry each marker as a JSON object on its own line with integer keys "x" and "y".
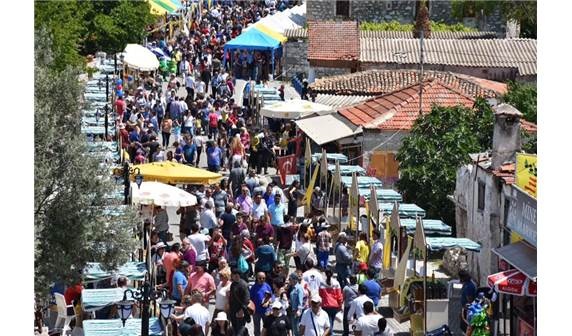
{"x": 294, "y": 109}
{"x": 161, "y": 194}
{"x": 140, "y": 58}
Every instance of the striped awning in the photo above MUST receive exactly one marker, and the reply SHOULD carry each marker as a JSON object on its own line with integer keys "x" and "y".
{"x": 160, "y": 7}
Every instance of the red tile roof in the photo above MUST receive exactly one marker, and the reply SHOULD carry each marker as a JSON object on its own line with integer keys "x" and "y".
{"x": 506, "y": 172}
{"x": 400, "y": 109}
{"x": 528, "y": 126}
{"x": 378, "y": 82}
{"x": 333, "y": 41}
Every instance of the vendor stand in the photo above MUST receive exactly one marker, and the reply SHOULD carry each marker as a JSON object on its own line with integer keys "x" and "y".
{"x": 138, "y": 60}
{"x": 115, "y": 327}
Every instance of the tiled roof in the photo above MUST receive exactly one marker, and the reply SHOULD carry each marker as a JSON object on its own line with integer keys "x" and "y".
{"x": 334, "y": 41}
{"x": 378, "y": 82}
{"x": 528, "y": 126}
{"x": 339, "y": 101}
{"x": 515, "y": 53}
{"x": 398, "y": 110}
{"x": 303, "y": 33}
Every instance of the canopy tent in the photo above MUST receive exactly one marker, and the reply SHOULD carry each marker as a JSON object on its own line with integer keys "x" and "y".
{"x": 347, "y": 170}
{"x": 331, "y": 157}
{"x": 253, "y": 39}
{"x": 271, "y": 32}
{"x": 512, "y": 282}
{"x": 294, "y": 109}
{"x": 430, "y": 226}
{"x": 291, "y": 18}
{"x": 176, "y": 173}
{"x": 132, "y": 270}
{"x": 161, "y": 194}
{"x": 115, "y": 327}
{"x": 443, "y": 243}
{"x": 160, "y": 7}
{"x": 406, "y": 210}
{"x": 96, "y": 299}
{"x": 364, "y": 182}
{"x": 140, "y": 58}
{"x": 383, "y": 195}
{"x": 319, "y": 128}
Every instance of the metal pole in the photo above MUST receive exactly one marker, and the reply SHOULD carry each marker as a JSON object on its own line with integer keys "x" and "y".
{"x": 115, "y": 64}
{"x": 425, "y": 291}
{"x": 106, "y": 121}
{"x": 145, "y": 309}
{"x": 126, "y": 183}
{"x": 421, "y": 72}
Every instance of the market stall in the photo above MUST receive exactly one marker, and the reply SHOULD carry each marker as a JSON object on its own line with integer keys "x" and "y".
{"x": 132, "y": 270}
{"x": 115, "y": 327}
{"x": 160, "y": 194}
{"x": 383, "y": 195}
{"x": 176, "y": 173}
{"x": 294, "y": 109}
{"x": 347, "y": 170}
{"x": 97, "y": 299}
{"x": 138, "y": 60}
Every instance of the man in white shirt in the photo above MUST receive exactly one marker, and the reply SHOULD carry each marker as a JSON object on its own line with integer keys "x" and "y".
{"x": 356, "y": 308}
{"x": 367, "y": 324}
{"x": 198, "y": 312}
{"x": 312, "y": 277}
{"x": 198, "y": 240}
{"x": 376, "y": 254}
{"x": 200, "y": 86}
{"x": 315, "y": 321}
{"x": 259, "y": 207}
{"x": 190, "y": 86}
{"x": 208, "y": 218}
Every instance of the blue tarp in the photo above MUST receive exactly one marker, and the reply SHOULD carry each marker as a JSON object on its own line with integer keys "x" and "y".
{"x": 431, "y": 226}
{"x": 347, "y": 170}
{"x": 115, "y": 327}
{"x": 253, "y": 39}
{"x": 383, "y": 195}
{"x": 363, "y": 182}
{"x": 405, "y": 209}
{"x": 443, "y": 243}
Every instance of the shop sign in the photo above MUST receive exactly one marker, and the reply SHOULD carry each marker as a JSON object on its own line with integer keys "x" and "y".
{"x": 522, "y": 215}
{"x": 526, "y": 178}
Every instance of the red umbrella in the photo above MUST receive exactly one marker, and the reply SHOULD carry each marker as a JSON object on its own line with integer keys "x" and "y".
{"x": 512, "y": 282}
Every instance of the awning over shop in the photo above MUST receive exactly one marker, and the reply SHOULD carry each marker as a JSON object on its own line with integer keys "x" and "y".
{"x": 430, "y": 226}
{"x": 521, "y": 256}
{"x": 271, "y": 32}
{"x": 443, "y": 243}
{"x": 326, "y": 128}
{"x": 405, "y": 210}
{"x": 115, "y": 327}
{"x": 252, "y": 39}
{"x": 176, "y": 173}
{"x": 512, "y": 282}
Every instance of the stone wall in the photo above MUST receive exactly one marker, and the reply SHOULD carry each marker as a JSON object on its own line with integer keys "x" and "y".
{"x": 295, "y": 60}
{"x": 402, "y": 11}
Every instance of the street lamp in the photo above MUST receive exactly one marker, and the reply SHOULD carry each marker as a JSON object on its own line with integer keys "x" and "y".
{"x": 145, "y": 296}
{"x": 127, "y": 171}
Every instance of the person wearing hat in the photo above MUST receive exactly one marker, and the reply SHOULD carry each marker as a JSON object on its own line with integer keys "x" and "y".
{"x": 221, "y": 326}
{"x": 344, "y": 259}
{"x": 315, "y": 321}
{"x": 276, "y": 324}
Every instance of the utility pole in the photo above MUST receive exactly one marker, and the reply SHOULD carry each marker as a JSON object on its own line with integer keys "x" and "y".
{"x": 421, "y": 71}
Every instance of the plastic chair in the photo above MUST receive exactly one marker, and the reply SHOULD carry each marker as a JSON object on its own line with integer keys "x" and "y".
{"x": 64, "y": 319}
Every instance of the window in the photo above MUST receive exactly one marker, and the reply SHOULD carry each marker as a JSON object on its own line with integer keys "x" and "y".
{"x": 481, "y": 196}
{"x": 343, "y": 8}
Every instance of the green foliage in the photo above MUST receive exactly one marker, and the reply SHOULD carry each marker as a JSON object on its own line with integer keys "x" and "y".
{"x": 396, "y": 26}
{"x": 522, "y": 96}
{"x": 529, "y": 142}
{"x": 80, "y": 28}
{"x": 69, "y": 187}
{"x": 438, "y": 144}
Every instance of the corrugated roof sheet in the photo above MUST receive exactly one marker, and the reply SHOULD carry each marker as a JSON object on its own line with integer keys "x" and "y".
{"x": 515, "y": 53}
{"x": 399, "y": 109}
{"x": 330, "y": 40}
{"x": 378, "y": 82}
{"x": 339, "y": 101}
{"x": 303, "y": 33}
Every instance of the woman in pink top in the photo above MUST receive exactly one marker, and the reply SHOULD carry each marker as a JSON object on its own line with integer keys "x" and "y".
{"x": 202, "y": 282}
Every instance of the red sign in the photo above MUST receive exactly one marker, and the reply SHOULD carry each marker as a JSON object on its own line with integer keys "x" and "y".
{"x": 286, "y": 166}
{"x": 512, "y": 282}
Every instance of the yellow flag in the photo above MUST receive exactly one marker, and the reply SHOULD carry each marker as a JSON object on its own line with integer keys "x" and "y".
{"x": 308, "y": 154}
{"x": 309, "y": 190}
{"x": 400, "y": 273}
{"x": 353, "y": 203}
{"x": 387, "y": 248}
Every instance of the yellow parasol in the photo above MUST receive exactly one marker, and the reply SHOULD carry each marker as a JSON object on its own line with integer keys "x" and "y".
{"x": 176, "y": 173}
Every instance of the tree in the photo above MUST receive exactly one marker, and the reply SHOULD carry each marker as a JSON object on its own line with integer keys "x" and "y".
{"x": 522, "y": 96}
{"x": 70, "y": 185}
{"x": 422, "y": 22}
{"x": 437, "y": 145}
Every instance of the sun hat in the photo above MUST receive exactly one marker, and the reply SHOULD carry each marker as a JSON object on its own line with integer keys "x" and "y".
{"x": 277, "y": 305}
{"x": 221, "y": 316}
